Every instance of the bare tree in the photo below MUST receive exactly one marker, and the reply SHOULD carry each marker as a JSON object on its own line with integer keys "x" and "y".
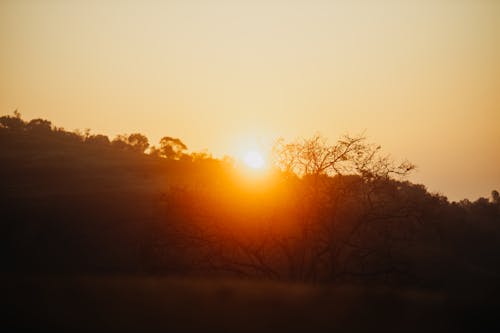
{"x": 349, "y": 206}
{"x": 338, "y": 212}
{"x": 349, "y": 155}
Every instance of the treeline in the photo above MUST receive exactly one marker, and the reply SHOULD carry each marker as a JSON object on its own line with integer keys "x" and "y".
{"x": 169, "y": 147}
{"x": 81, "y": 203}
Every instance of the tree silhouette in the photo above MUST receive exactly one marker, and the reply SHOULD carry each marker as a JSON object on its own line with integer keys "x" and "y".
{"x": 347, "y": 204}
{"x": 331, "y": 212}
{"x": 349, "y": 155}
{"x": 138, "y": 142}
{"x": 99, "y": 139}
{"x": 13, "y": 123}
{"x": 39, "y": 126}
{"x": 172, "y": 148}
{"x": 337, "y": 212}
{"x": 134, "y": 142}
{"x": 495, "y": 197}
{"x": 121, "y": 142}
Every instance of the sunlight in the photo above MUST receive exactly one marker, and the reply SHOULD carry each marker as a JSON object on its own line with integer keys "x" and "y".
{"x": 254, "y": 160}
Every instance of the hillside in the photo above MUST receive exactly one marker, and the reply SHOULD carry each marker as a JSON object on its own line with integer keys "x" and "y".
{"x": 102, "y": 217}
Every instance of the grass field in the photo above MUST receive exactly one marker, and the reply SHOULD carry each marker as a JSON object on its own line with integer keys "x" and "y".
{"x": 153, "y": 304}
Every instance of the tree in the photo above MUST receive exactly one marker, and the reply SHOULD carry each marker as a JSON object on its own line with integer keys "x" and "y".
{"x": 349, "y": 155}
{"x": 154, "y": 151}
{"x": 495, "y": 197}
{"x": 172, "y": 148}
{"x": 121, "y": 142}
{"x": 98, "y": 139}
{"x": 39, "y": 126}
{"x": 134, "y": 142}
{"x": 348, "y": 204}
{"x": 341, "y": 214}
{"x": 138, "y": 142}
{"x": 13, "y": 123}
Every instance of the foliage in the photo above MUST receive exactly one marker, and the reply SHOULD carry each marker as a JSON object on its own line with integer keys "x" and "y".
{"x": 172, "y": 148}
{"x": 343, "y": 212}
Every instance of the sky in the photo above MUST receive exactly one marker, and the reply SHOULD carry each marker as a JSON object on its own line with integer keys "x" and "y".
{"x": 421, "y": 78}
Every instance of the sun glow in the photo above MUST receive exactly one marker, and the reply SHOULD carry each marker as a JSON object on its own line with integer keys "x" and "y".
{"x": 254, "y": 160}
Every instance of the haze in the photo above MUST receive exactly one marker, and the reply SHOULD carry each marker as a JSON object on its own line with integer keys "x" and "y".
{"x": 420, "y": 78}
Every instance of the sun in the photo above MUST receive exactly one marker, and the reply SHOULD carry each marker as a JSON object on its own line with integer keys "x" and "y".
{"x": 254, "y": 160}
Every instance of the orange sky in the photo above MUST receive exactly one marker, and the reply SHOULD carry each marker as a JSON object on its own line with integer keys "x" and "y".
{"x": 421, "y": 78}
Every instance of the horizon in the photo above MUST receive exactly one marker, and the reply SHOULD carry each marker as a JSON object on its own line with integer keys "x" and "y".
{"x": 421, "y": 78}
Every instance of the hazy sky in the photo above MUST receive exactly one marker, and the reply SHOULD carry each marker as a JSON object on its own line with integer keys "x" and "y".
{"x": 421, "y": 78}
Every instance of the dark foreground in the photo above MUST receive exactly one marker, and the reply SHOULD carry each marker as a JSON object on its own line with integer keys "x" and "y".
{"x": 88, "y": 226}
{"x": 149, "y": 304}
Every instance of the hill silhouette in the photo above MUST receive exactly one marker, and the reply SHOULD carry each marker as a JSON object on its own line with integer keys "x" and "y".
{"x": 78, "y": 204}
